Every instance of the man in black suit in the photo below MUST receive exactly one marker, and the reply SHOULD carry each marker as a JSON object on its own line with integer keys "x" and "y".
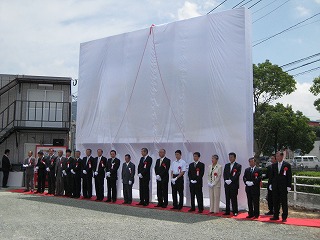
{"x": 231, "y": 176}
{"x": 252, "y": 179}
{"x": 41, "y": 169}
{"x": 99, "y": 173}
{"x": 87, "y": 163}
{"x": 195, "y": 174}
{"x": 68, "y": 180}
{"x": 113, "y": 165}
{"x": 281, "y": 179}
{"x": 162, "y": 176}
{"x": 128, "y": 172}
{"x": 268, "y": 176}
{"x": 144, "y": 177}
{"x": 76, "y": 171}
{"x": 6, "y": 166}
{"x": 51, "y": 166}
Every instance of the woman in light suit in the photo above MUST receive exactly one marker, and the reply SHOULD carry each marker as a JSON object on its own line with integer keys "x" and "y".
{"x": 214, "y": 184}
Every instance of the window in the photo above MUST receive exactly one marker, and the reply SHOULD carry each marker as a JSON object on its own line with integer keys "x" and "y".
{"x": 310, "y": 159}
{"x": 44, "y": 108}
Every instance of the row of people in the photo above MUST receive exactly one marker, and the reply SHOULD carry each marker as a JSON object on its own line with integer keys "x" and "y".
{"x": 65, "y": 173}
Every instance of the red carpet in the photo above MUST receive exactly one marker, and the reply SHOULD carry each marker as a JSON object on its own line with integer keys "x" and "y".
{"x": 308, "y": 222}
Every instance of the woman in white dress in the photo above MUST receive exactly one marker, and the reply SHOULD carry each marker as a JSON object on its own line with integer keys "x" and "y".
{"x": 214, "y": 184}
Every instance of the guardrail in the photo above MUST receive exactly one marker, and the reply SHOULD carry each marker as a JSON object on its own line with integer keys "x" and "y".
{"x": 295, "y": 185}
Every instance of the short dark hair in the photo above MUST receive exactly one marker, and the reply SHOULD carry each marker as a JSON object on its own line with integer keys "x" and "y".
{"x": 144, "y": 149}
{"x": 68, "y": 150}
{"x": 40, "y": 152}
{"x": 100, "y": 150}
{"x": 178, "y": 151}
{"x": 78, "y": 151}
{"x": 89, "y": 150}
{"x": 252, "y": 158}
{"x": 127, "y": 155}
{"x": 233, "y": 154}
{"x": 6, "y": 151}
{"x": 113, "y": 151}
{"x": 273, "y": 155}
{"x": 196, "y": 153}
{"x": 216, "y": 156}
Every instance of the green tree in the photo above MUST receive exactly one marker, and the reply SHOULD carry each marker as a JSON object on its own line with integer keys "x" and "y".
{"x": 283, "y": 128}
{"x": 270, "y": 82}
{"x": 315, "y": 90}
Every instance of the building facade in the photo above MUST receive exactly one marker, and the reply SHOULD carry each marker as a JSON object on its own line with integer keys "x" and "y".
{"x": 34, "y": 110}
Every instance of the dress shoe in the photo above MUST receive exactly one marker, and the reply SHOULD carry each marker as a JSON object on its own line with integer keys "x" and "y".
{"x": 124, "y": 203}
{"x": 235, "y": 214}
{"x": 269, "y": 213}
{"x": 284, "y": 220}
{"x": 36, "y": 192}
{"x": 255, "y": 217}
{"x": 200, "y": 211}
{"x": 114, "y": 201}
{"x": 274, "y": 218}
{"x": 191, "y": 210}
{"x": 164, "y": 206}
{"x": 26, "y": 190}
{"x": 249, "y": 216}
{"x": 129, "y": 202}
{"x": 140, "y": 203}
{"x": 5, "y": 187}
{"x": 174, "y": 208}
{"x": 225, "y": 214}
{"x": 158, "y": 205}
{"x": 108, "y": 200}
{"x": 179, "y": 208}
{"x": 146, "y": 204}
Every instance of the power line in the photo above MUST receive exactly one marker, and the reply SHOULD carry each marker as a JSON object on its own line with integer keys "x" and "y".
{"x": 217, "y": 6}
{"x": 254, "y": 4}
{"x": 271, "y": 11}
{"x": 264, "y": 6}
{"x": 266, "y": 39}
{"x": 303, "y": 65}
{"x": 238, "y": 4}
{"x": 305, "y": 72}
{"x": 300, "y": 60}
{"x": 245, "y": 3}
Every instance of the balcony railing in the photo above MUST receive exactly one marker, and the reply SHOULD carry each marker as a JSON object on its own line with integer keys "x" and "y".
{"x": 35, "y": 114}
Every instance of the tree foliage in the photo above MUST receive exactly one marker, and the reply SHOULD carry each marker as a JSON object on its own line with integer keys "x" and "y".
{"x": 315, "y": 90}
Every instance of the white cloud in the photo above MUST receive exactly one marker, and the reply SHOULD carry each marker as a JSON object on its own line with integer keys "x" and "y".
{"x": 302, "y": 11}
{"x": 317, "y": 1}
{"x": 302, "y": 100}
{"x": 188, "y": 10}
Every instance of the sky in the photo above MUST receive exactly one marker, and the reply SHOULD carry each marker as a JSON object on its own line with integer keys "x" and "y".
{"x": 42, "y": 37}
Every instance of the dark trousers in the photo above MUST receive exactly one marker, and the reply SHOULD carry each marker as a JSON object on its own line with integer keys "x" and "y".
{"x": 76, "y": 185}
{"x": 68, "y": 184}
{"x": 5, "y": 178}
{"x": 177, "y": 188}
{"x": 41, "y": 181}
{"x": 162, "y": 192}
{"x": 51, "y": 182}
{"x": 270, "y": 200}
{"x": 231, "y": 194}
{"x": 99, "y": 184}
{"x": 196, "y": 191}
{"x": 112, "y": 189}
{"x": 87, "y": 186}
{"x": 253, "y": 202}
{"x": 280, "y": 196}
{"x": 144, "y": 190}
{"x": 127, "y": 193}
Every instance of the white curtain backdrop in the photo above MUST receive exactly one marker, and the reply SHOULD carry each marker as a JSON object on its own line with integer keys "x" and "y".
{"x": 184, "y": 85}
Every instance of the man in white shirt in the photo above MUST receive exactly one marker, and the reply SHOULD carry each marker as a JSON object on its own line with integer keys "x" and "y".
{"x": 178, "y": 168}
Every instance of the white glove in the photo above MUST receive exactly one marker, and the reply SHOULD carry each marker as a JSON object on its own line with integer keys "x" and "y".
{"x": 140, "y": 175}
{"x": 130, "y": 182}
{"x": 84, "y": 171}
{"x": 249, "y": 183}
{"x": 173, "y": 181}
{"x": 108, "y": 174}
{"x": 158, "y": 178}
{"x": 264, "y": 175}
{"x": 193, "y": 181}
{"x": 210, "y": 185}
{"x": 73, "y": 172}
{"x": 288, "y": 189}
{"x": 25, "y": 165}
{"x": 270, "y": 187}
{"x": 228, "y": 182}
{"x": 64, "y": 172}
{"x": 48, "y": 169}
{"x": 37, "y": 168}
{"x": 95, "y": 173}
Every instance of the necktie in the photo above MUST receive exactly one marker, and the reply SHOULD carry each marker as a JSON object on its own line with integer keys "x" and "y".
{"x": 279, "y": 167}
{"x": 251, "y": 170}
{"x": 195, "y": 165}
{"x": 160, "y": 162}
